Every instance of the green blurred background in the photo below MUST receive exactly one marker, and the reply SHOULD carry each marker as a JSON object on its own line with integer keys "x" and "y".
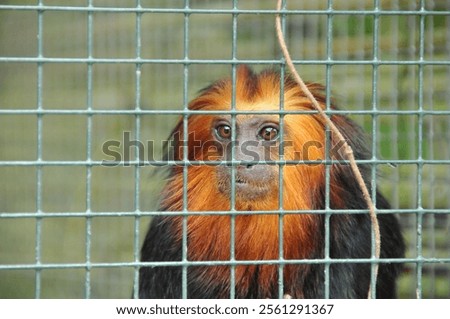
{"x": 64, "y": 137}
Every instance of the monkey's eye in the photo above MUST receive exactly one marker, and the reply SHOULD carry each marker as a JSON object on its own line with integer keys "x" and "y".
{"x": 223, "y": 131}
{"x": 268, "y": 133}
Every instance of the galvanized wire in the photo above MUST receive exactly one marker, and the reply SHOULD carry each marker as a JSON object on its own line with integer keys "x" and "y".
{"x": 420, "y": 67}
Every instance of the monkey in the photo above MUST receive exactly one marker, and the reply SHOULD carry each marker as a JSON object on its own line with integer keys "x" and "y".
{"x": 260, "y": 139}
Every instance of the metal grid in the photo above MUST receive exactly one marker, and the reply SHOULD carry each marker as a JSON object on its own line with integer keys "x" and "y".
{"x": 426, "y": 60}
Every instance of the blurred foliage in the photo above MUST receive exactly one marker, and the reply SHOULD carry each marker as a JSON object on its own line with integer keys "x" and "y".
{"x": 113, "y": 86}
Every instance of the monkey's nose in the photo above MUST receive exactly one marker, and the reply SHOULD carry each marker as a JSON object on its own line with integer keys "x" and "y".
{"x": 247, "y": 165}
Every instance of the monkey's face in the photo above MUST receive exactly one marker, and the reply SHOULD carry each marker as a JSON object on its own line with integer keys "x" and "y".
{"x": 255, "y": 147}
{"x": 253, "y": 142}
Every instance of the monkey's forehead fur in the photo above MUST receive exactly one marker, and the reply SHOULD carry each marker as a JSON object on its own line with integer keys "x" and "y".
{"x": 257, "y": 91}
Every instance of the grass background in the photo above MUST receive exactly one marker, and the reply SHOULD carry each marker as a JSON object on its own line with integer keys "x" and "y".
{"x": 64, "y": 137}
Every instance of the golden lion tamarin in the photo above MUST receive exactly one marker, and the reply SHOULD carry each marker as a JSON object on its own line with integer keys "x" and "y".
{"x": 257, "y": 142}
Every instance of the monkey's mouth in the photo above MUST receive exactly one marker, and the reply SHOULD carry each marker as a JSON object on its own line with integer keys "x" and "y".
{"x": 244, "y": 189}
{"x": 242, "y": 182}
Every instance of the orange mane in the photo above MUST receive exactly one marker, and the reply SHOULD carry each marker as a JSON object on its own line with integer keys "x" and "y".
{"x": 257, "y": 235}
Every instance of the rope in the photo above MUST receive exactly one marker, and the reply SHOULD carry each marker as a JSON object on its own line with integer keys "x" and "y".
{"x": 347, "y": 150}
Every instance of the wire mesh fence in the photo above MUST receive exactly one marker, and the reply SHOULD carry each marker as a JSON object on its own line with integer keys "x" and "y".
{"x": 77, "y": 74}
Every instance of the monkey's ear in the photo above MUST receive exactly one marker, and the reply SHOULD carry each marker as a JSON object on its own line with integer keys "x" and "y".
{"x": 173, "y": 146}
{"x": 354, "y": 136}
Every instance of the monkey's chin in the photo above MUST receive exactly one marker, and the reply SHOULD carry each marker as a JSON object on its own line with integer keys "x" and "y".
{"x": 245, "y": 191}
